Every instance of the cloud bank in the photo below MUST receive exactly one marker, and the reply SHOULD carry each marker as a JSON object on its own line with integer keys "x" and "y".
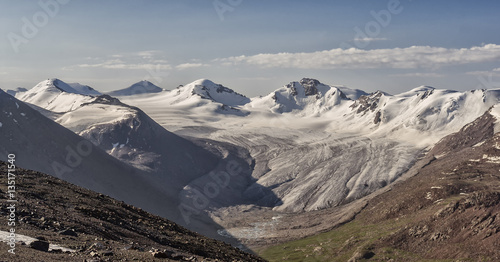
{"x": 353, "y": 58}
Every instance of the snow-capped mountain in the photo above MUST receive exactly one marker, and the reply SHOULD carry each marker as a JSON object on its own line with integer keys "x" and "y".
{"x": 306, "y": 146}
{"x": 199, "y": 96}
{"x": 422, "y": 115}
{"x": 141, "y": 87}
{"x": 305, "y": 97}
{"x": 205, "y": 91}
{"x": 55, "y": 95}
{"x": 166, "y": 160}
{"x": 43, "y": 145}
{"x": 394, "y": 127}
{"x": 362, "y": 144}
{"x": 123, "y": 131}
{"x": 110, "y": 162}
{"x": 130, "y": 135}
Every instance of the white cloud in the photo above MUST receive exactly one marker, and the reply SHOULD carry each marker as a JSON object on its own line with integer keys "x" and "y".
{"x": 189, "y": 65}
{"x": 493, "y": 72}
{"x": 370, "y": 39}
{"x": 142, "y": 60}
{"x": 418, "y": 75}
{"x": 353, "y": 58}
{"x": 118, "y": 64}
{"x": 148, "y": 53}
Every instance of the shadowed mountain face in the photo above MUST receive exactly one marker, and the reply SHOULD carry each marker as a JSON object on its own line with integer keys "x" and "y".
{"x": 41, "y": 144}
{"x": 98, "y": 227}
{"x": 133, "y": 137}
{"x": 99, "y": 159}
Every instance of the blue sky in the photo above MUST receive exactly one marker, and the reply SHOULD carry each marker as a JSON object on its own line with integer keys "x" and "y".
{"x": 252, "y": 46}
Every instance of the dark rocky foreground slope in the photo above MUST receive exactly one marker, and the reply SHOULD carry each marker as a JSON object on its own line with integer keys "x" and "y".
{"x": 97, "y": 227}
{"x": 449, "y": 210}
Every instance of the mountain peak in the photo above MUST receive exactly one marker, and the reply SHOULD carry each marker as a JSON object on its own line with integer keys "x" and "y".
{"x": 203, "y": 82}
{"x": 417, "y": 90}
{"x": 55, "y": 83}
{"x": 55, "y": 95}
{"x": 207, "y": 89}
{"x": 141, "y": 87}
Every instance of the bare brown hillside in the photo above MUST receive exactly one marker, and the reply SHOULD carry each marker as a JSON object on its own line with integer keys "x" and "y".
{"x": 98, "y": 227}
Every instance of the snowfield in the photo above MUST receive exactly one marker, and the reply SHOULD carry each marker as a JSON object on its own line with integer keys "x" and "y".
{"x": 305, "y": 146}
{"x": 313, "y": 145}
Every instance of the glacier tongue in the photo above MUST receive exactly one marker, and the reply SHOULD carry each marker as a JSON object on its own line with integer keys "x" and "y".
{"x": 313, "y": 145}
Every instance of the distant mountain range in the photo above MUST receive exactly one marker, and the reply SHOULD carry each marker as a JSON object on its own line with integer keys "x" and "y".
{"x": 142, "y": 87}
{"x": 304, "y": 147}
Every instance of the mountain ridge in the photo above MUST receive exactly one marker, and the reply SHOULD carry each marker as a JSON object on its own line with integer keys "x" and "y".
{"x": 141, "y": 87}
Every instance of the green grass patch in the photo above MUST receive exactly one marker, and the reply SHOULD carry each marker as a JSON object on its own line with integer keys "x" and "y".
{"x": 340, "y": 244}
{"x": 357, "y": 237}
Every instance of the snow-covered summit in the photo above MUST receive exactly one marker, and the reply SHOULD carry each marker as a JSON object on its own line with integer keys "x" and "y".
{"x": 141, "y": 87}
{"x": 54, "y": 84}
{"x": 422, "y": 115}
{"x": 55, "y": 95}
{"x": 207, "y": 89}
{"x": 305, "y": 97}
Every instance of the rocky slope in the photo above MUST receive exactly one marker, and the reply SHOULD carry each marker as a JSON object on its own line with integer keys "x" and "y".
{"x": 46, "y": 146}
{"x": 448, "y": 210}
{"x": 170, "y": 165}
{"x": 97, "y": 227}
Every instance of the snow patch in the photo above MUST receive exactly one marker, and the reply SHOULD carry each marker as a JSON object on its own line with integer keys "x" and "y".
{"x": 428, "y": 196}
{"x": 495, "y": 111}
{"x": 492, "y": 159}
{"x": 4, "y": 237}
{"x": 479, "y": 144}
